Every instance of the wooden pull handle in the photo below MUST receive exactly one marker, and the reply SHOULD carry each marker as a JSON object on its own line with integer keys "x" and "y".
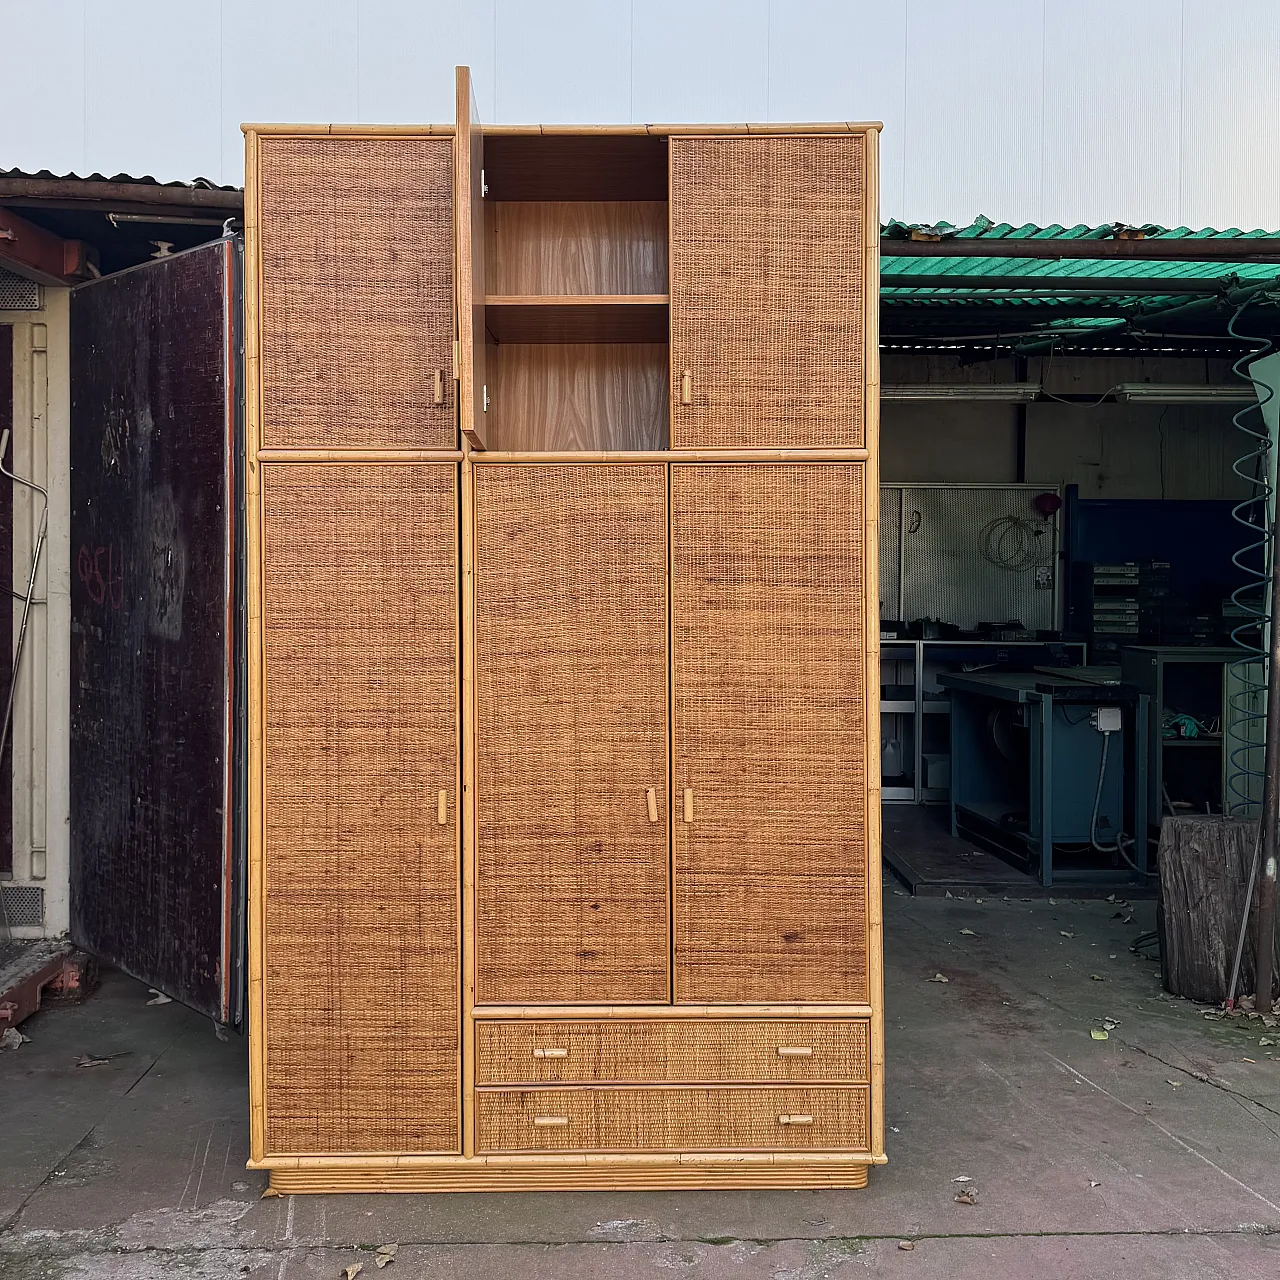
{"x": 549, "y": 1122}
{"x": 550, "y": 1053}
{"x": 686, "y": 387}
{"x": 688, "y": 804}
{"x": 795, "y": 1051}
{"x": 652, "y": 797}
{"x": 442, "y": 807}
{"x": 785, "y": 1120}
{"x": 438, "y": 386}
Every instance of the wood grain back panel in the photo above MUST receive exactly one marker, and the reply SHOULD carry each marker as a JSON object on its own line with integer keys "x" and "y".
{"x": 571, "y": 731}
{"x": 357, "y": 292}
{"x": 767, "y": 279}
{"x": 769, "y": 880}
{"x": 361, "y": 878}
{"x": 576, "y": 246}
{"x": 597, "y": 395}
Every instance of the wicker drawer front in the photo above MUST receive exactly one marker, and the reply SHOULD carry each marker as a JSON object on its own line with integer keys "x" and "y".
{"x": 672, "y": 1050}
{"x": 673, "y": 1119}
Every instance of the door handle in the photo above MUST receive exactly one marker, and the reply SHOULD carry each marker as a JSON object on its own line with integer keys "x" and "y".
{"x": 686, "y": 387}
{"x": 688, "y": 804}
{"x": 652, "y": 797}
{"x": 442, "y": 807}
{"x": 789, "y": 1120}
{"x": 437, "y": 382}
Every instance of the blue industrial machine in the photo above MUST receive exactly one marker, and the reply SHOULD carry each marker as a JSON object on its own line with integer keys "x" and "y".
{"x": 1050, "y": 772}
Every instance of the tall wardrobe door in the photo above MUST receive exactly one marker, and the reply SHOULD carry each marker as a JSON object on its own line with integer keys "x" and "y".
{"x": 357, "y": 292}
{"x": 768, "y": 268}
{"x": 360, "y": 808}
{"x": 769, "y": 752}
{"x": 571, "y": 730}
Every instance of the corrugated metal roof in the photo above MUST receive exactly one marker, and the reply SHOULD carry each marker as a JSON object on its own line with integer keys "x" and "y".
{"x": 47, "y": 175}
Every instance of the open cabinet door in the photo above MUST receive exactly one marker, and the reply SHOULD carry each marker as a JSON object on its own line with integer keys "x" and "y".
{"x": 468, "y": 204}
{"x": 156, "y": 834}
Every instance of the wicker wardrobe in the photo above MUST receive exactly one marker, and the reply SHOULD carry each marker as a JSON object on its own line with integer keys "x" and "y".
{"x": 563, "y": 656}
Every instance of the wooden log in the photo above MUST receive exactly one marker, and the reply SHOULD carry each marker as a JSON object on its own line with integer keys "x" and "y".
{"x": 1204, "y": 877}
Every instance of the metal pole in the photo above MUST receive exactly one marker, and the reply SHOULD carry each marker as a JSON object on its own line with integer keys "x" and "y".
{"x": 1270, "y": 794}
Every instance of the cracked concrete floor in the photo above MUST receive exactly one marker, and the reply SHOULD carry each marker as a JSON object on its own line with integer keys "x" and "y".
{"x": 1154, "y": 1153}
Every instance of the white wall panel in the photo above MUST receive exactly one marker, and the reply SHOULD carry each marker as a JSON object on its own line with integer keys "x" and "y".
{"x": 562, "y": 62}
{"x": 843, "y": 60}
{"x": 1230, "y": 117}
{"x": 408, "y": 50}
{"x": 142, "y": 70}
{"x": 700, "y": 60}
{"x": 1110, "y": 147}
{"x": 42, "y": 110}
{"x": 974, "y": 116}
{"x": 284, "y": 60}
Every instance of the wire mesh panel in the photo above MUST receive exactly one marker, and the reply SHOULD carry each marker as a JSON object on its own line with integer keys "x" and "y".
{"x": 767, "y": 278}
{"x": 770, "y": 845}
{"x": 571, "y": 728}
{"x": 890, "y": 552}
{"x": 357, "y": 292}
{"x": 979, "y": 553}
{"x": 360, "y": 752}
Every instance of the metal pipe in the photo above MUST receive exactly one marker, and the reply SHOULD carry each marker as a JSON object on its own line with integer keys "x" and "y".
{"x": 31, "y": 589}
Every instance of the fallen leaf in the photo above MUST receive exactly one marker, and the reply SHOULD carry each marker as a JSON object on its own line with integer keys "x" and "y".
{"x": 978, "y": 901}
{"x": 1264, "y": 1040}
{"x": 969, "y": 932}
{"x": 1111, "y": 1023}
{"x": 895, "y": 1128}
{"x": 1177, "y": 1084}
{"x": 968, "y": 1196}
{"x": 86, "y": 1061}
{"x": 1112, "y": 956}
{"x": 1098, "y": 1034}
{"x": 1094, "y": 1184}
{"x": 948, "y": 894}
{"x": 898, "y": 893}
{"x": 1111, "y": 897}
{"x": 964, "y": 1177}
{"x": 906, "y": 1245}
{"x": 160, "y": 997}
{"x": 385, "y": 1256}
{"x": 270, "y": 1194}
{"x": 13, "y": 1039}
{"x": 1097, "y": 977}
{"x": 1053, "y": 902}
{"x": 937, "y": 977}
{"x": 1127, "y": 919}
{"x": 353, "y": 1270}
{"x": 1065, "y": 934}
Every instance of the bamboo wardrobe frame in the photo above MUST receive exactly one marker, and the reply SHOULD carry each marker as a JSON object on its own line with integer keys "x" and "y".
{"x": 558, "y": 1152}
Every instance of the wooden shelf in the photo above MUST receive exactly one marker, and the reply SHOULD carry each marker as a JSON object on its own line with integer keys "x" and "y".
{"x": 619, "y": 317}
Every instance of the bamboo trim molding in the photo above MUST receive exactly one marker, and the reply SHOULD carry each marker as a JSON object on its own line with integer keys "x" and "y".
{"x": 377, "y": 1160}
{"x": 661, "y": 1012}
{"x": 347, "y": 131}
{"x": 871, "y": 681}
{"x": 674, "y": 455}
{"x": 364, "y": 456}
{"x": 253, "y": 607}
{"x": 668, "y": 130}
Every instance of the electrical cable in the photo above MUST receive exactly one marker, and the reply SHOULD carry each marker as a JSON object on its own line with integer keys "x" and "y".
{"x": 1121, "y": 838}
{"x": 1012, "y": 543}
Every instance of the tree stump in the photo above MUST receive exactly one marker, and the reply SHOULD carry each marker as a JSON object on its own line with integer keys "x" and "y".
{"x": 1204, "y": 877}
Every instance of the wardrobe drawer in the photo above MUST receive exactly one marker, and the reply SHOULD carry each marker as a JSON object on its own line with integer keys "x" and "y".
{"x": 672, "y": 1050}
{"x": 833, "y": 1119}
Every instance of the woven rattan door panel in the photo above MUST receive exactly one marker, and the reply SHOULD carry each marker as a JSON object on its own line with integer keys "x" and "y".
{"x": 360, "y": 759}
{"x": 692, "y": 1050}
{"x": 767, "y": 590}
{"x": 357, "y": 292}
{"x": 672, "y": 1120}
{"x": 767, "y": 277}
{"x": 571, "y": 734}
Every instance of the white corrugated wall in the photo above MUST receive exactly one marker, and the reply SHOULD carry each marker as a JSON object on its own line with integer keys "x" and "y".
{"x": 1082, "y": 110}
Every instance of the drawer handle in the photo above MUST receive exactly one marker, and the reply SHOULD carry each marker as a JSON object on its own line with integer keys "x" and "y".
{"x": 688, "y": 804}
{"x": 785, "y": 1120}
{"x": 442, "y": 808}
{"x": 551, "y": 1053}
{"x": 686, "y": 387}
{"x": 549, "y": 1122}
{"x": 437, "y": 387}
{"x": 795, "y": 1051}
{"x": 652, "y": 797}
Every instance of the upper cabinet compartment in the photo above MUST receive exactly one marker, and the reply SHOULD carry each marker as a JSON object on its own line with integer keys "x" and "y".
{"x": 357, "y": 292}
{"x": 576, "y": 313}
{"x": 771, "y": 246}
